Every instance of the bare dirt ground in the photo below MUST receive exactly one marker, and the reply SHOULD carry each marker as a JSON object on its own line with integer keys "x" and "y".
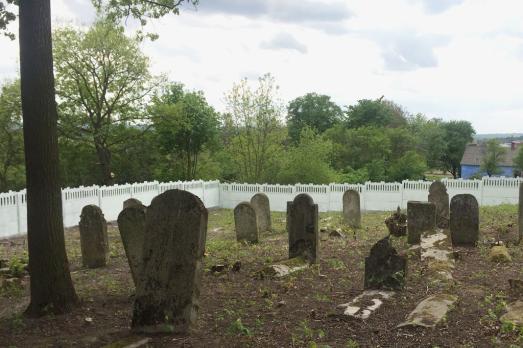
{"x": 238, "y": 309}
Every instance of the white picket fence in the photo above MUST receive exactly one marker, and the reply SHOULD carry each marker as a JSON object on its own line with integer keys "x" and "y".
{"x": 374, "y": 196}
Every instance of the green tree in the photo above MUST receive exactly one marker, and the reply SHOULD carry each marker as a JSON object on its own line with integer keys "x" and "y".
{"x": 102, "y": 80}
{"x": 375, "y": 113}
{"x": 312, "y": 110}
{"x": 307, "y": 162}
{"x": 410, "y": 166}
{"x": 457, "y": 135}
{"x": 51, "y": 285}
{"x": 253, "y": 120}
{"x": 431, "y": 142}
{"x": 11, "y": 139}
{"x": 518, "y": 162}
{"x": 494, "y": 154}
{"x": 185, "y": 125}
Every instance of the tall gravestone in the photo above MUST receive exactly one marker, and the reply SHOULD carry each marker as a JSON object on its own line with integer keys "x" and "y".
{"x": 352, "y": 208}
{"x": 245, "y": 223}
{"x": 261, "y": 205}
{"x": 464, "y": 220}
{"x": 421, "y": 217}
{"x": 131, "y": 202}
{"x": 167, "y": 299}
{"x": 439, "y": 196}
{"x": 520, "y": 220}
{"x": 93, "y": 237}
{"x": 302, "y": 227}
{"x": 131, "y": 223}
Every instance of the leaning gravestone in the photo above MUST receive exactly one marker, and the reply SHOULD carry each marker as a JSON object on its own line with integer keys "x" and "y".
{"x": 93, "y": 237}
{"x": 167, "y": 299}
{"x": 131, "y": 223}
{"x": 439, "y": 196}
{"x": 131, "y": 202}
{"x": 245, "y": 223}
{"x": 421, "y": 217}
{"x": 464, "y": 220}
{"x": 384, "y": 268}
{"x": 302, "y": 226}
{"x": 351, "y": 208}
{"x": 260, "y": 203}
{"x": 520, "y": 221}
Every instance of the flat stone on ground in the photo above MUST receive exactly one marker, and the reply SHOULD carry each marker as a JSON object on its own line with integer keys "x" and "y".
{"x": 514, "y": 313}
{"x": 363, "y": 305}
{"x": 499, "y": 254}
{"x": 430, "y": 311}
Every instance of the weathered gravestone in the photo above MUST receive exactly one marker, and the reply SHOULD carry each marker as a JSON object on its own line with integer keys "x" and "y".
{"x": 384, "y": 268}
{"x": 261, "y": 205}
{"x": 520, "y": 220}
{"x": 167, "y": 299}
{"x": 131, "y": 202}
{"x": 131, "y": 223}
{"x": 93, "y": 237}
{"x": 302, "y": 226}
{"x": 351, "y": 208}
{"x": 245, "y": 223}
{"x": 464, "y": 220}
{"x": 439, "y": 196}
{"x": 421, "y": 217}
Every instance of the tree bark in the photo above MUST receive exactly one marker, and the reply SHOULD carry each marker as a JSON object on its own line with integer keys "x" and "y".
{"x": 51, "y": 285}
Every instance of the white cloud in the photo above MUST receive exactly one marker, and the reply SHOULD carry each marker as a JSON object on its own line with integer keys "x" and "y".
{"x": 448, "y": 59}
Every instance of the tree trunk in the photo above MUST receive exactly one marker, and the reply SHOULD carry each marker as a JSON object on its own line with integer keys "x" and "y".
{"x": 104, "y": 159}
{"x": 51, "y": 286}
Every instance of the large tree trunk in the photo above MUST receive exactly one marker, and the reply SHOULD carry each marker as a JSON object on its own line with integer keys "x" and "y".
{"x": 104, "y": 161}
{"x": 51, "y": 286}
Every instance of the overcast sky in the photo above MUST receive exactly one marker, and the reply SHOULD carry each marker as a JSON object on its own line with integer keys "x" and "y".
{"x": 452, "y": 59}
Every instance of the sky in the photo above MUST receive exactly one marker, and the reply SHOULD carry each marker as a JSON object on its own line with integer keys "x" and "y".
{"x": 451, "y": 59}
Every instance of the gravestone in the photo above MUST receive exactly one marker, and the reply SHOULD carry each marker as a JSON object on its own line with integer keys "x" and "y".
{"x": 384, "y": 268}
{"x": 464, "y": 220}
{"x": 260, "y": 203}
{"x": 93, "y": 237}
{"x": 520, "y": 220}
{"x": 351, "y": 208}
{"x": 439, "y": 196}
{"x": 421, "y": 217}
{"x": 131, "y": 202}
{"x": 167, "y": 299}
{"x": 245, "y": 223}
{"x": 302, "y": 227}
{"x": 131, "y": 223}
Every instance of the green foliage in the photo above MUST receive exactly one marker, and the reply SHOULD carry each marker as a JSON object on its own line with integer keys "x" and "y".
{"x": 307, "y": 162}
{"x": 7, "y": 15}
{"x": 11, "y": 138}
{"x": 102, "y": 80}
{"x": 409, "y": 166}
{"x": 238, "y": 328}
{"x": 457, "y": 135}
{"x": 185, "y": 124}
{"x": 314, "y": 111}
{"x": 518, "y": 161}
{"x": 494, "y": 154}
{"x": 375, "y": 113}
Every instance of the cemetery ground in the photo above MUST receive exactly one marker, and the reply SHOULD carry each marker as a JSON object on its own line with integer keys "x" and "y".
{"x": 240, "y": 308}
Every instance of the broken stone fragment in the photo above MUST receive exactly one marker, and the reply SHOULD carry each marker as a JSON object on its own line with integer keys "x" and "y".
{"x": 430, "y": 311}
{"x": 284, "y": 268}
{"x": 499, "y": 253}
{"x": 363, "y": 305}
{"x": 514, "y": 313}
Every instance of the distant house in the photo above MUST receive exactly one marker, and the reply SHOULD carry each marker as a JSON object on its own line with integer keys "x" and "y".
{"x": 473, "y": 157}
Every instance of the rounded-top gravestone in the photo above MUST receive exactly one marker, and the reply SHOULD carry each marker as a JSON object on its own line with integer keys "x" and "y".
{"x": 93, "y": 237}
{"x": 167, "y": 298}
{"x": 464, "y": 220}
{"x": 132, "y": 202}
{"x": 131, "y": 224}
{"x": 245, "y": 223}
{"x": 302, "y": 227}
{"x": 261, "y": 205}
{"x": 352, "y": 208}
{"x": 439, "y": 196}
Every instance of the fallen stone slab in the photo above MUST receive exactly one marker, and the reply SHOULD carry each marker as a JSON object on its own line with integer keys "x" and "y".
{"x": 432, "y": 247}
{"x": 430, "y": 311}
{"x": 499, "y": 254}
{"x": 514, "y": 313}
{"x": 284, "y": 268}
{"x": 363, "y": 305}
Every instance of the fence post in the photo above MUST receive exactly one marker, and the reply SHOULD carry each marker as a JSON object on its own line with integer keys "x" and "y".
{"x": 18, "y": 215}
{"x": 203, "y": 192}
{"x": 99, "y": 196}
